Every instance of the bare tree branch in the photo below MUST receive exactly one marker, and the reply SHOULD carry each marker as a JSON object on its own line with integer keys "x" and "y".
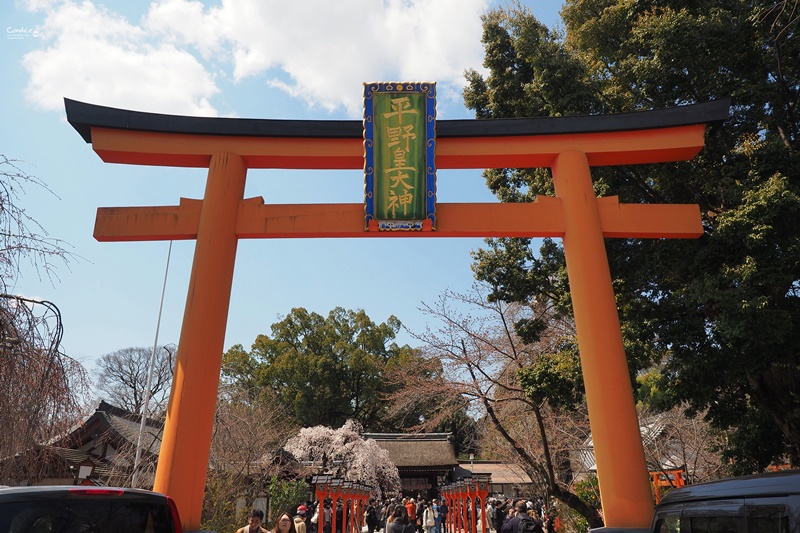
{"x": 43, "y": 392}
{"x": 480, "y": 356}
{"x": 123, "y": 378}
{"x": 22, "y": 238}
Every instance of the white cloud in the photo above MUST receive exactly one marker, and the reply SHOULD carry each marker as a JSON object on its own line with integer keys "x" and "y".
{"x": 328, "y": 49}
{"x": 187, "y": 22}
{"x": 36, "y": 5}
{"x": 317, "y": 51}
{"x": 99, "y": 57}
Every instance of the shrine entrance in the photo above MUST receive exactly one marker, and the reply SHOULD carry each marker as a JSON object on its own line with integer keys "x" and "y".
{"x": 569, "y": 146}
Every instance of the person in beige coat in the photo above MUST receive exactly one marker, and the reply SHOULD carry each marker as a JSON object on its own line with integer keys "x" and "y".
{"x": 254, "y": 523}
{"x": 300, "y": 519}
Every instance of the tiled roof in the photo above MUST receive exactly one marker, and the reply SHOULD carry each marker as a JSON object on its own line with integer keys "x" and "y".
{"x": 115, "y": 427}
{"x": 505, "y": 473}
{"x": 103, "y": 468}
{"x": 127, "y": 427}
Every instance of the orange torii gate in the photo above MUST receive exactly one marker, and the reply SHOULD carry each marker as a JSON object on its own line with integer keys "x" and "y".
{"x": 570, "y": 146}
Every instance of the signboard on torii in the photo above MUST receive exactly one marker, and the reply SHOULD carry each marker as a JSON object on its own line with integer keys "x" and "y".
{"x": 570, "y": 146}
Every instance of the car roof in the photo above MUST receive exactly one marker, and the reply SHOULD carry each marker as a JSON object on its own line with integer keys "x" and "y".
{"x": 771, "y": 484}
{"x": 60, "y": 491}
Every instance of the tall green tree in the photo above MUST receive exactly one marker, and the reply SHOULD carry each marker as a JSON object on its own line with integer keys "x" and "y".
{"x": 324, "y": 370}
{"x": 720, "y": 315}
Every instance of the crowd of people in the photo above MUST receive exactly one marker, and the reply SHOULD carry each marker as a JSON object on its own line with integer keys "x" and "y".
{"x": 406, "y": 515}
{"x": 520, "y": 516}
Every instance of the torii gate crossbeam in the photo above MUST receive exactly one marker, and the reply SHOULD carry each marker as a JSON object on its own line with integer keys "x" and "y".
{"x": 570, "y": 146}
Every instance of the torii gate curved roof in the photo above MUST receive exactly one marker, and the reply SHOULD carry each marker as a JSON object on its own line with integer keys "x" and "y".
{"x": 337, "y": 144}
{"x": 84, "y": 117}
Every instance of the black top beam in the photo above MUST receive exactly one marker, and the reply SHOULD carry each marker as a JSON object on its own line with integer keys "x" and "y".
{"x": 85, "y": 116}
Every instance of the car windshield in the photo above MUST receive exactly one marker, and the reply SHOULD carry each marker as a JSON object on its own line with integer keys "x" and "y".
{"x": 90, "y": 515}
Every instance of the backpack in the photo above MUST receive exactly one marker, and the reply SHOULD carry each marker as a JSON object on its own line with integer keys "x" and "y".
{"x": 529, "y": 525}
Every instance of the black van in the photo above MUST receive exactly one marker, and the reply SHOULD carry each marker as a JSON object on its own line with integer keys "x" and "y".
{"x": 763, "y": 503}
{"x": 78, "y": 509}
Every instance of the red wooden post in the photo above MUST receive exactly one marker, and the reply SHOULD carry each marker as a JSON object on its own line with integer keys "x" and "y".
{"x": 336, "y": 484}
{"x": 347, "y": 504}
{"x": 321, "y": 491}
{"x": 474, "y": 505}
{"x": 462, "y": 504}
{"x": 482, "y": 485}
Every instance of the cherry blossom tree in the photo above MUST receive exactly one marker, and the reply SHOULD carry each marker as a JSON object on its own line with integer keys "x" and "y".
{"x": 345, "y": 453}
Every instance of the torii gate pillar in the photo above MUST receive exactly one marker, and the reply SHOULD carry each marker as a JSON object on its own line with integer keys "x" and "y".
{"x": 196, "y": 377}
{"x": 616, "y": 437}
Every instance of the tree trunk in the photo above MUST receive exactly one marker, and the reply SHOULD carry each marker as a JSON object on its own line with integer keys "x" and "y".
{"x": 581, "y": 507}
{"x": 569, "y": 498}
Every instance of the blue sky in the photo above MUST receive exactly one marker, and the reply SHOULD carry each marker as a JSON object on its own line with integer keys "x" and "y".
{"x": 304, "y": 59}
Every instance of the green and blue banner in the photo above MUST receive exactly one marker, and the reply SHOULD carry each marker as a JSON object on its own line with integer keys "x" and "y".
{"x": 399, "y": 156}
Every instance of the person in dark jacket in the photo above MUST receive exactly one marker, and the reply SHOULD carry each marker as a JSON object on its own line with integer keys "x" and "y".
{"x": 340, "y": 517}
{"x": 399, "y": 520}
{"x": 418, "y": 513}
{"x": 326, "y": 516}
{"x": 372, "y": 517}
{"x": 520, "y": 513}
{"x": 443, "y": 510}
{"x": 499, "y": 515}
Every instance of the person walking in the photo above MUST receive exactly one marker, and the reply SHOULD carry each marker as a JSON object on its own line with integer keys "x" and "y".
{"x": 498, "y": 515}
{"x": 300, "y": 519}
{"x": 386, "y": 512}
{"x": 371, "y": 516}
{"x": 521, "y": 522}
{"x": 443, "y": 516}
{"x": 326, "y": 515}
{"x": 253, "y": 523}
{"x": 419, "y": 511}
{"x": 429, "y": 519}
{"x": 284, "y": 524}
{"x": 411, "y": 509}
{"x": 340, "y": 517}
{"x": 398, "y": 521}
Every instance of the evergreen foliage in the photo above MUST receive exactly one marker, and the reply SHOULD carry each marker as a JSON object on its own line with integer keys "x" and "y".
{"x": 719, "y": 316}
{"x": 323, "y": 370}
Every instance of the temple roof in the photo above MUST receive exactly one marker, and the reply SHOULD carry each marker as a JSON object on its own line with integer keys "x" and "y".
{"x": 417, "y": 451}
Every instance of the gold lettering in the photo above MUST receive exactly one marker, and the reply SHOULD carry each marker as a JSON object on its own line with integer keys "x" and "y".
{"x": 404, "y": 199}
{"x": 395, "y": 134}
{"x": 398, "y": 180}
{"x": 400, "y": 106}
{"x": 399, "y": 189}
